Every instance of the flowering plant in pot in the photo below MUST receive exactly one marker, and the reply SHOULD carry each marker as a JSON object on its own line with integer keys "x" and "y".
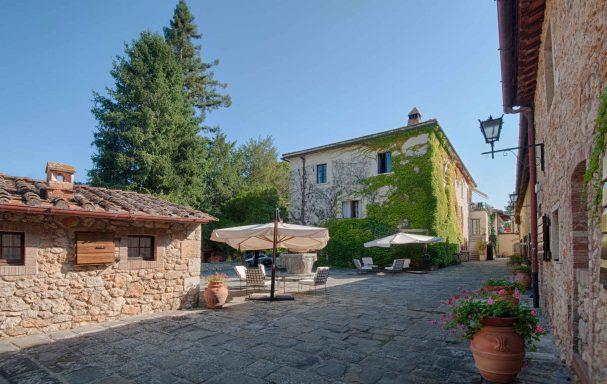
{"x": 515, "y": 260}
{"x": 216, "y": 294}
{"x": 522, "y": 274}
{"x": 499, "y": 330}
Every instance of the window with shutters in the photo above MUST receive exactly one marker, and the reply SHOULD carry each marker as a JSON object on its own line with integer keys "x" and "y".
{"x": 321, "y": 173}
{"x": 554, "y": 236}
{"x": 350, "y": 209}
{"x": 544, "y": 239}
{"x": 384, "y": 162}
{"x": 476, "y": 226}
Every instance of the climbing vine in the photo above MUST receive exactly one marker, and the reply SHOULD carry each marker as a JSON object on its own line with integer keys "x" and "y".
{"x": 420, "y": 189}
{"x": 592, "y": 177}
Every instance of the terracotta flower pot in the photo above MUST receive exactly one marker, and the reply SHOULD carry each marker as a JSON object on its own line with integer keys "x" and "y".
{"x": 523, "y": 278}
{"x": 499, "y": 352}
{"x": 215, "y": 295}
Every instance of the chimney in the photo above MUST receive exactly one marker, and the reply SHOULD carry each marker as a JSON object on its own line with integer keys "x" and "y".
{"x": 414, "y": 117}
{"x": 60, "y": 179}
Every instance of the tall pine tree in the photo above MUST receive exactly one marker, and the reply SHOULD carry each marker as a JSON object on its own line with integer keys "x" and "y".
{"x": 199, "y": 83}
{"x": 147, "y": 138}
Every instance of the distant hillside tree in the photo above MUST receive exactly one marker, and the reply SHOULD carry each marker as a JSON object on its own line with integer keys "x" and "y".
{"x": 199, "y": 83}
{"x": 148, "y": 137}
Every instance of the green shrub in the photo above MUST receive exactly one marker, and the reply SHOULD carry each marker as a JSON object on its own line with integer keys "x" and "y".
{"x": 442, "y": 254}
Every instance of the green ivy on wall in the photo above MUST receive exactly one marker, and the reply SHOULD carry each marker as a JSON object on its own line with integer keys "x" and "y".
{"x": 592, "y": 178}
{"x": 417, "y": 192}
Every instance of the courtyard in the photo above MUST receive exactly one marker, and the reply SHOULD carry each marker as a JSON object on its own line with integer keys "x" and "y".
{"x": 365, "y": 329}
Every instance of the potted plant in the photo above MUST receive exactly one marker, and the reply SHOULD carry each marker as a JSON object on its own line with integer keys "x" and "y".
{"x": 515, "y": 260}
{"x": 522, "y": 274}
{"x": 216, "y": 294}
{"x": 499, "y": 331}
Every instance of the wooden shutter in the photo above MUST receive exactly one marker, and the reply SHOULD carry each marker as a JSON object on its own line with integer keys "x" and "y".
{"x": 94, "y": 248}
{"x": 543, "y": 247}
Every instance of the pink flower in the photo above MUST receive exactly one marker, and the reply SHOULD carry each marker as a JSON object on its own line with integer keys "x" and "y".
{"x": 460, "y": 327}
{"x": 501, "y": 291}
{"x": 433, "y": 322}
{"x": 490, "y": 301}
{"x": 517, "y": 294}
{"x": 456, "y": 297}
{"x": 459, "y": 288}
{"x": 466, "y": 297}
{"x": 534, "y": 313}
{"x": 476, "y": 291}
{"x": 539, "y": 329}
{"x": 452, "y": 331}
{"x": 464, "y": 291}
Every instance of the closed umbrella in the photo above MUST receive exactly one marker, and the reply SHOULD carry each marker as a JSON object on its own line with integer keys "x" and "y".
{"x": 273, "y": 235}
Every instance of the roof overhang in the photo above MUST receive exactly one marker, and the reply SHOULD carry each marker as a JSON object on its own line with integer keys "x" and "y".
{"x": 520, "y": 24}
{"x": 102, "y": 215}
{"x": 520, "y": 37}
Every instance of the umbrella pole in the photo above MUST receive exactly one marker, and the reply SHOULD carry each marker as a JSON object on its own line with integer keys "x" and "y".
{"x": 274, "y": 254}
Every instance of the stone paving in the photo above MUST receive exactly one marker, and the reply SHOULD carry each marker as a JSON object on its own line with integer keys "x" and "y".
{"x": 365, "y": 329}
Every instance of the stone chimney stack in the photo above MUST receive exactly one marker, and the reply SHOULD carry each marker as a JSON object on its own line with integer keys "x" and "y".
{"x": 60, "y": 179}
{"x": 414, "y": 117}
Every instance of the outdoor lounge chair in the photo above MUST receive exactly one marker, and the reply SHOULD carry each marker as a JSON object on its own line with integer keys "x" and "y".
{"x": 368, "y": 261}
{"x": 320, "y": 278}
{"x": 256, "y": 280}
{"x": 360, "y": 268}
{"x": 397, "y": 266}
{"x": 241, "y": 272}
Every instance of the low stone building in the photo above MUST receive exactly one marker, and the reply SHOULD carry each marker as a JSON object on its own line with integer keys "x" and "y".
{"x": 554, "y": 70}
{"x": 410, "y": 175}
{"x": 74, "y": 254}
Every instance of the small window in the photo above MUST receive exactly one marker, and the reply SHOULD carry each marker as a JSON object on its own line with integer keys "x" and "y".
{"x": 12, "y": 247}
{"x": 141, "y": 247}
{"x": 554, "y": 236}
{"x": 350, "y": 209}
{"x": 321, "y": 173}
{"x": 384, "y": 162}
{"x": 476, "y": 226}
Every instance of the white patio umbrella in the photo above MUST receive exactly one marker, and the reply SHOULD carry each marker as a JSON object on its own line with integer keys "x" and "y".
{"x": 402, "y": 238}
{"x": 273, "y": 235}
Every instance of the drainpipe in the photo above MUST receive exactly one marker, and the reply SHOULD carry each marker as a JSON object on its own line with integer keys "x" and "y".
{"x": 303, "y": 191}
{"x": 528, "y": 115}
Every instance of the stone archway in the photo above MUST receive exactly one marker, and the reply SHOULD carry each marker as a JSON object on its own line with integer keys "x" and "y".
{"x": 580, "y": 258}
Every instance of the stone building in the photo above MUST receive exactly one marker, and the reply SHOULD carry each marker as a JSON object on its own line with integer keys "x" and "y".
{"x": 74, "y": 254}
{"x": 410, "y": 174}
{"x": 554, "y": 69}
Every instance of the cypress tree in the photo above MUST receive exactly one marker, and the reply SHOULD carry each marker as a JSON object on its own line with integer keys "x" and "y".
{"x": 147, "y": 138}
{"x": 199, "y": 83}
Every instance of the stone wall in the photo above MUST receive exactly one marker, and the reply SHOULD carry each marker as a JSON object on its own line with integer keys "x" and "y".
{"x": 571, "y": 295}
{"x": 51, "y": 292}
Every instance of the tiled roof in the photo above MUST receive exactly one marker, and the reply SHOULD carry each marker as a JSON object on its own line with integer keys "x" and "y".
{"x": 28, "y": 195}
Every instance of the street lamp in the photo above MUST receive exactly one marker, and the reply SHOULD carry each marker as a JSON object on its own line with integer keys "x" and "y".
{"x": 513, "y": 197}
{"x": 491, "y": 129}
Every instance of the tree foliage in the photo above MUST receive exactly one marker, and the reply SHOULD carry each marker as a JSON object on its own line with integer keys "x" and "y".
{"x": 199, "y": 82}
{"x": 147, "y": 137}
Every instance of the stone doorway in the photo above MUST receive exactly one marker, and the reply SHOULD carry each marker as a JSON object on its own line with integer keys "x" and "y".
{"x": 580, "y": 272}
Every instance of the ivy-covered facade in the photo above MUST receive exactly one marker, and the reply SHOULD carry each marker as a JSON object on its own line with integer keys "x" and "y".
{"x": 408, "y": 178}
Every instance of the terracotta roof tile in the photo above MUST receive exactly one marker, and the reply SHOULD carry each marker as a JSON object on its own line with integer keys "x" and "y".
{"x": 21, "y": 193}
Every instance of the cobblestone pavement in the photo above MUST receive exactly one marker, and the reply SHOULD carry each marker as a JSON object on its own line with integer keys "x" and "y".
{"x": 365, "y": 329}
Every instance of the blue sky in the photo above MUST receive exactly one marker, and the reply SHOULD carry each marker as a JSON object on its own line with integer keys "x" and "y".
{"x": 306, "y": 72}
